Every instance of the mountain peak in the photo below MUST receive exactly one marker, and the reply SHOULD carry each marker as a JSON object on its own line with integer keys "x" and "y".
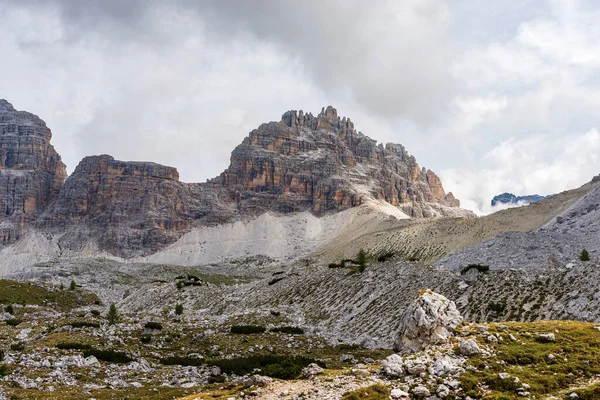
{"x": 6, "y": 106}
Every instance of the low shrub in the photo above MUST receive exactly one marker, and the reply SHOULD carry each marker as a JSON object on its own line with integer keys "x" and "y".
{"x": 13, "y": 322}
{"x": 146, "y": 339}
{"x": 84, "y": 324}
{"x": 275, "y": 280}
{"x": 9, "y": 309}
{"x": 478, "y": 267}
{"x": 153, "y": 325}
{"x": 216, "y": 379}
{"x": 19, "y": 346}
{"x": 247, "y": 329}
{"x": 108, "y": 355}
{"x": 385, "y": 256}
{"x": 275, "y": 313}
{"x": 4, "y": 370}
{"x": 275, "y": 366}
{"x": 73, "y": 346}
{"x": 96, "y": 312}
{"x": 184, "y": 361}
{"x": 293, "y": 330}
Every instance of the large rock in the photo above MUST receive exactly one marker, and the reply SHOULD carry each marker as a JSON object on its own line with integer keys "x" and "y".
{"x": 431, "y": 318}
{"x": 31, "y": 171}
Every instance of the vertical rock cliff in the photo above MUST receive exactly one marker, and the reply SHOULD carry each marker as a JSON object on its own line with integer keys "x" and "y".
{"x": 31, "y": 171}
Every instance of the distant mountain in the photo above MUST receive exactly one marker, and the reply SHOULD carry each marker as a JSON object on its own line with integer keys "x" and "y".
{"x": 509, "y": 198}
{"x": 320, "y": 164}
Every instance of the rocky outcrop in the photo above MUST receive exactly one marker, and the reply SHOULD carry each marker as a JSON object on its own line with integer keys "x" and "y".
{"x": 323, "y": 164}
{"x": 31, "y": 171}
{"x": 129, "y": 208}
{"x": 431, "y": 318}
{"x": 302, "y": 163}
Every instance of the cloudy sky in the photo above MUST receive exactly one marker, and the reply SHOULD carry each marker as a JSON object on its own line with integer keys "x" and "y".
{"x": 493, "y": 96}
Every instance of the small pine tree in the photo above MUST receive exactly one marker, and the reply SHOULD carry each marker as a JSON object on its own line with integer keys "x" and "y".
{"x": 9, "y": 309}
{"x": 361, "y": 260}
{"x": 343, "y": 264}
{"x": 585, "y": 255}
{"x": 179, "y": 285}
{"x": 179, "y": 309}
{"x": 62, "y": 286}
{"x": 113, "y": 314}
{"x": 72, "y": 286}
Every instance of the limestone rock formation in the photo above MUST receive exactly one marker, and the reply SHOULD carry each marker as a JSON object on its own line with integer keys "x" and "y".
{"x": 323, "y": 164}
{"x": 431, "y": 318}
{"x": 131, "y": 208}
{"x": 31, "y": 171}
{"x": 302, "y": 163}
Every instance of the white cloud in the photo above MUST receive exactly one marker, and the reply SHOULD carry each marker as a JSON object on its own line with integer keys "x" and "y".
{"x": 528, "y": 166}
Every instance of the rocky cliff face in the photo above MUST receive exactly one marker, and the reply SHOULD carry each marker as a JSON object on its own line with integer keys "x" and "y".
{"x": 31, "y": 171}
{"x": 320, "y": 164}
{"x": 323, "y": 164}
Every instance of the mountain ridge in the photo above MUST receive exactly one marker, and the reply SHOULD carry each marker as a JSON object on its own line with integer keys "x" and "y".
{"x": 319, "y": 164}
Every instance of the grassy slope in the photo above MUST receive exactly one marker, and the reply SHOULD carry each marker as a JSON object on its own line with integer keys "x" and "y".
{"x": 429, "y": 240}
{"x": 576, "y": 363}
{"x": 26, "y": 293}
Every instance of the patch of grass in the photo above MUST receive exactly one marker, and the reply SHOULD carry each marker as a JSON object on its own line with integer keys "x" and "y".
{"x": 247, "y": 329}
{"x": 13, "y": 292}
{"x": 373, "y": 392}
{"x": 576, "y": 358}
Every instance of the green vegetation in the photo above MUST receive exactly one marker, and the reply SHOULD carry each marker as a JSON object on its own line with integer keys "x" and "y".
{"x": 275, "y": 366}
{"x": 9, "y": 309}
{"x": 153, "y": 325}
{"x": 385, "y": 256}
{"x": 585, "y": 255}
{"x": 13, "y": 322}
{"x": 247, "y": 329}
{"x": 478, "y": 267}
{"x": 293, "y": 330}
{"x": 178, "y": 309}
{"x": 27, "y": 293}
{"x": 575, "y": 358}
{"x": 108, "y": 355}
{"x": 19, "y": 346}
{"x": 361, "y": 260}
{"x": 374, "y": 392}
{"x": 84, "y": 324}
{"x": 72, "y": 286}
{"x": 73, "y": 346}
{"x": 113, "y": 314}
{"x": 4, "y": 370}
